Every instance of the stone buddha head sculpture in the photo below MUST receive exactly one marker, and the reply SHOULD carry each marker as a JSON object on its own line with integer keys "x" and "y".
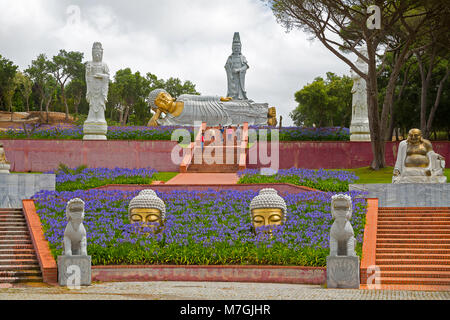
{"x": 267, "y": 209}
{"x": 148, "y": 210}
{"x": 97, "y": 52}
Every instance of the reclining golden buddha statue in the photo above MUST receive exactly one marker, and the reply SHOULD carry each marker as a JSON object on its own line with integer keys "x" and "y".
{"x": 213, "y": 110}
{"x": 417, "y": 162}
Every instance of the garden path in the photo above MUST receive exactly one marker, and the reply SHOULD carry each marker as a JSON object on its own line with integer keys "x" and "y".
{"x": 204, "y": 178}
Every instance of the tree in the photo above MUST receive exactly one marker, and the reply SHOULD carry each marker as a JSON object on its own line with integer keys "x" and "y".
{"x": 7, "y": 84}
{"x": 65, "y": 66}
{"x": 38, "y": 72}
{"x": 324, "y": 102}
{"x": 76, "y": 88}
{"x": 342, "y": 26}
{"x": 25, "y": 86}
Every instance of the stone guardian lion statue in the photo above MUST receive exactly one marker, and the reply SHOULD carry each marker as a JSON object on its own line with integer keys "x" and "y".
{"x": 342, "y": 237}
{"x": 75, "y": 242}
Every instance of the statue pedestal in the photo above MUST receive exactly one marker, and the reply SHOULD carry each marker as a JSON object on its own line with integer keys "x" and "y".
{"x": 4, "y": 167}
{"x": 343, "y": 272}
{"x": 74, "y": 271}
{"x": 95, "y": 130}
{"x": 359, "y": 131}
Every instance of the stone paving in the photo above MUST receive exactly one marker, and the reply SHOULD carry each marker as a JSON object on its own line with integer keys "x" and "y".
{"x": 167, "y": 290}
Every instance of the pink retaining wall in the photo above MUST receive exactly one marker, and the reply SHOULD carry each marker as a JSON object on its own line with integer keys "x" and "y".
{"x": 46, "y": 155}
{"x": 273, "y": 274}
{"x": 335, "y": 155}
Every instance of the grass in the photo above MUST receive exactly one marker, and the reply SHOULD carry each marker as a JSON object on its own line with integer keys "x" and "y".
{"x": 164, "y": 176}
{"x": 384, "y": 175}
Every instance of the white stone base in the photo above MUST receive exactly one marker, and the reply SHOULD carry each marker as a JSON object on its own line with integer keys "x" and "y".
{"x": 360, "y": 136}
{"x": 95, "y": 130}
{"x": 419, "y": 179}
{"x": 4, "y": 167}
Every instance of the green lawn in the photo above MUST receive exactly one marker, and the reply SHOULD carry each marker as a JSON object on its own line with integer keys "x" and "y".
{"x": 164, "y": 176}
{"x": 368, "y": 175}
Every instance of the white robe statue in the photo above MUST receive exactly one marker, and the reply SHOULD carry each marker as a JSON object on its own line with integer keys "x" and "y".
{"x": 97, "y": 82}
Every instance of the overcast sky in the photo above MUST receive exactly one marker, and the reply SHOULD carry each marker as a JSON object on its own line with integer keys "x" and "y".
{"x": 187, "y": 39}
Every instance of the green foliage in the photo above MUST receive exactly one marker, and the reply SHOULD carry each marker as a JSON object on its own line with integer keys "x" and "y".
{"x": 324, "y": 103}
{"x": 7, "y": 84}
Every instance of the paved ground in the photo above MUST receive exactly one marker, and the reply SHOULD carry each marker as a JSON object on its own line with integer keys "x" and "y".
{"x": 207, "y": 291}
{"x": 204, "y": 178}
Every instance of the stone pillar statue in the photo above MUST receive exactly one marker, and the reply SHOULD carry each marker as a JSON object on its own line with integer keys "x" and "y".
{"x": 359, "y": 127}
{"x": 342, "y": 263}
{"x": 267, "y": 209}
{"x": 74, "y": 266}
{"x": 417, "y": 162}
{"x": 236, "y": 67}
{"x": 97, "y": 82}
{"x": 4, "y": 165}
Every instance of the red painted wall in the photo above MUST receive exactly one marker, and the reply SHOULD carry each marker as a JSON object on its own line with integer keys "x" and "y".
{"x": 46, "y": 155}
{"x": 335, "y": 155}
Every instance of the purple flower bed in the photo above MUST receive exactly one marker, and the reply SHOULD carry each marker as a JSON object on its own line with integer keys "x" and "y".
{"x": 165, "y": 133}
{"x": 87, "y": 178}
{"x": 201, "y": 228}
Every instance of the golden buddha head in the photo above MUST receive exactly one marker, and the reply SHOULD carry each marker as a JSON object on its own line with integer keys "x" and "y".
{"x": 160, "y": 99}
{"x": 148, "y": 210}
{"x": 267, "y": 209}
{"x": 414, "y": 136}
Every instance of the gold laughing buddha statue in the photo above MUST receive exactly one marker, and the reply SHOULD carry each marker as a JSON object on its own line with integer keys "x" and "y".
{"x": 267, "y": 209}
{"x": 148, "y": 209}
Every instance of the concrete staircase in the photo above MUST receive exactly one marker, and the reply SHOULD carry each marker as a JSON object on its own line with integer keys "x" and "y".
{"x": 204, "y": 160}
{"x": 413, "y": 246}
{"x": 18, "y": 262}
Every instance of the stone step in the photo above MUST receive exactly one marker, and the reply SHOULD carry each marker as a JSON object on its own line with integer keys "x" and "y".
{"x": 415, "y": 281}
{"x": 414, "y": 231}
{"x": 407, "y": 223}
{"x": 15, "y": 241}
{"x": 413, "y": 255}
{"x": 413, "y": 215}
{"x": 14, "y": 256}
{"x": 22, "y": 262}
{"x": 384, "y": 261}
{"x": 413, "y": 272}
{"x": 15, "y": 246}
{"x": 16, "y": 223}
{"x": 20, "y": 273}
{"x": 416, "y": 246}
{"x": 390, "y": 240}
{"x": 4, "y": 229}
{"x": 16, "y": 267}
{"x": 15, "y": 251}
{"x": 22, "y": 279}
{"x": 13, "y": 237}
{"x": 413, "y": 251}
{"x": 411, "y": 235}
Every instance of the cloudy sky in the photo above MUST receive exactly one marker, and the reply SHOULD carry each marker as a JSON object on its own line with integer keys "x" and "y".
{"x": 187, "y": 39}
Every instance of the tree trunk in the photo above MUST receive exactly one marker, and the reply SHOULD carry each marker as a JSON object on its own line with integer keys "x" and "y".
{"x": 436, "y": 101}
{"x": 63, "y": 95}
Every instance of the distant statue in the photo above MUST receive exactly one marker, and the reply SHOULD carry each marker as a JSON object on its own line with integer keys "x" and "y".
{"x": 236, "y": 67}
{"x": 359, "y": 127}
{"x": 4, "y": 164}
{"x": 272, "y": 117}
{"x": 97, "y": 82}
{"x": 342, "y": 237}
{"x": 75, "y": 242}
{"x": 213, "y": 110}
{"x": 417, "y": 162}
